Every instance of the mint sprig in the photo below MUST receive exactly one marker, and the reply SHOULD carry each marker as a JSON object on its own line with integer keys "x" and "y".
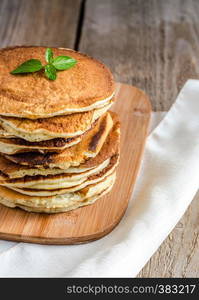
{"x": 59, "y": 63}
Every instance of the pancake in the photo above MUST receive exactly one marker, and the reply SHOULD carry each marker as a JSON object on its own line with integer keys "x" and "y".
{"x": 110, "y": 148}
{"x": 61, "y": 190}
{"x": 84, "y": 87}
{"x": 62, "y": 181}
{"x": 17, "y": 145}
{"x": 45, "y": 129}
{"x": 89, "y": 146}
{"x": 58, "y": 203}
{"x": 73, "y": 206}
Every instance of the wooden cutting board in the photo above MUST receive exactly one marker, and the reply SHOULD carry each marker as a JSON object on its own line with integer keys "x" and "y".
{"x": 95, "y": 221}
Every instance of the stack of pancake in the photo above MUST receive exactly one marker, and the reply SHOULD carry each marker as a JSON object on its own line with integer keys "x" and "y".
{"x": 59, "y": 144}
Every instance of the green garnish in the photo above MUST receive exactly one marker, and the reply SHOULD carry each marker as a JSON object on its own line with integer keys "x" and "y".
{"x": 59, "y": 63}
{"x": 32, "y": 65}
{"x": 63, "y": 62}
{"x": 49, "y": 55}
{"x": 50, "y": 72}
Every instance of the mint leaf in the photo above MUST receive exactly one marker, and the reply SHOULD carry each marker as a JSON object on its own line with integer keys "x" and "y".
{"x": 28, "y": 66}
{"x": 49, "y": 55}
{"x": 50, "y": 72}
{"x": 63, "y": 62}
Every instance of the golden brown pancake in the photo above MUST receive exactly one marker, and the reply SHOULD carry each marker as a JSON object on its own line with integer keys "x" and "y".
{"x": 86, "y": 86}
{"x": 68, "y": 126}
{"x": 57, "y": 203}
{"x": 17, "y": 145}
{"x": 89, "y": 146}
{"x": 73, "y": 206}
{"x": 110, "y": 148}
{"x": 59, "y": 184}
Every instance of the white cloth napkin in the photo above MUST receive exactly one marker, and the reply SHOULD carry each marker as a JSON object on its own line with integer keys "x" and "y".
{"x": 167, "y": 183}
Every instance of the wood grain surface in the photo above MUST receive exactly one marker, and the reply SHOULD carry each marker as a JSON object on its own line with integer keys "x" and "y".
{"x": 93, "y": 221}
{"x": 39, "y": 22}
{"x": 152, "y": 44}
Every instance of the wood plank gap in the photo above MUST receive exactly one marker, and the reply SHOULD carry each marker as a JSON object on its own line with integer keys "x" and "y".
{"x": 80, "y": 25}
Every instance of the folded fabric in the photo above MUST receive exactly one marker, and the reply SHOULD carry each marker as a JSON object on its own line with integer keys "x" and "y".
{"x": 167, "y": 182}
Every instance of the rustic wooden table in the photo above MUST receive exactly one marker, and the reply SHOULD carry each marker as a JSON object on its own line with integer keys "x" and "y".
{"x": 153, "y": 44}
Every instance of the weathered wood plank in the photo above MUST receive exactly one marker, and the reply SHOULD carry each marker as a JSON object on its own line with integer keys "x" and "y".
{"x": 178, "y": 255}
{"x": 39, "y": 22}
{"x": 151, "y": 44}
{"x": 154, "y": 45}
